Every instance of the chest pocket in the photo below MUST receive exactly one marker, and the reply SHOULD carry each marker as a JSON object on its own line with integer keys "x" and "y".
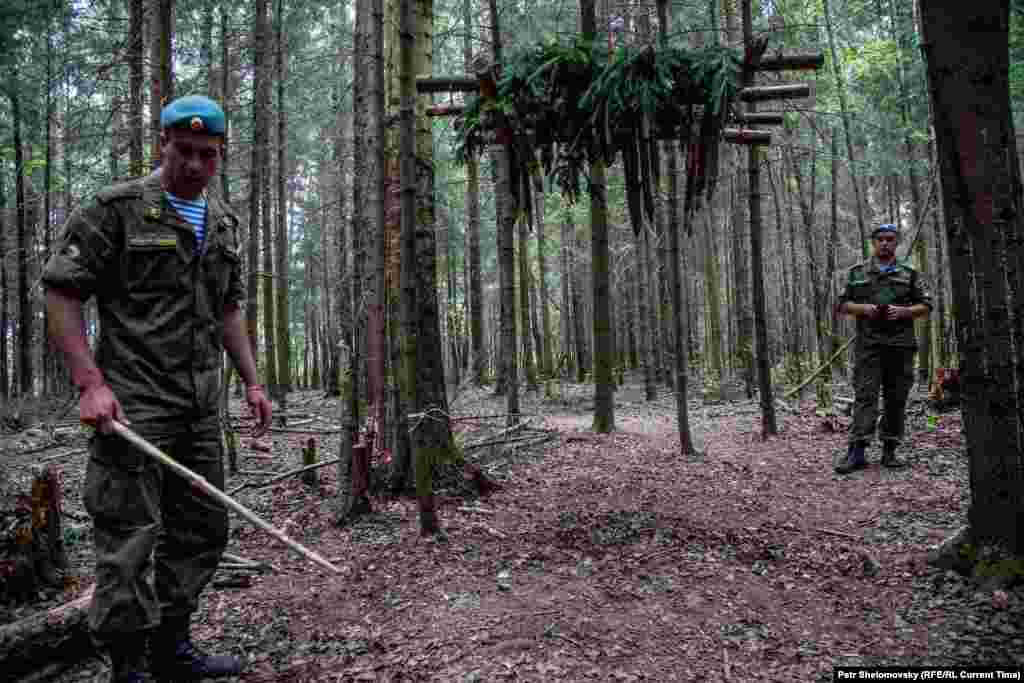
{"x": 861, "y": 290}
{"x": 221, "y": 259}
{"x": 152, "y": 262}
{"x": 897, "y": 286}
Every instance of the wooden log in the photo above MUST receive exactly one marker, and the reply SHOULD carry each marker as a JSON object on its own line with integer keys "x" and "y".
{"x": 761, "y": 118}
{"x": 55, "y": 639}
{"x": 443, "y": 84}
{"x": 454, "y": 110}
{"x": 764, "y": 93}
{"x": 747, "y": 136}
{"x": 791, "y": 61}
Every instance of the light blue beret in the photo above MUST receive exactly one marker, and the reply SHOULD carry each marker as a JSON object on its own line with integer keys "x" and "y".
{"x": 194, "y": 112}
{"x": 886, "y": 227}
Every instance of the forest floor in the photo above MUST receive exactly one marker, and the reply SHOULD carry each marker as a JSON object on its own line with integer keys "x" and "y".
{"x": 609, "y": 557}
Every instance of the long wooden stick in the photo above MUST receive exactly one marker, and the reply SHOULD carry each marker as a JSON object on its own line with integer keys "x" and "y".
{"x": 208, "y": 488}
{"x": 828, "y": 363}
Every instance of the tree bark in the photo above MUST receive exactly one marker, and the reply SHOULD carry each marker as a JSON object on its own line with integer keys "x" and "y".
{"x": 282, "y": 251}
{"x": 523, "y": 262}
{"x": 967, "y": 56}
{"x": 764, "y": 377}
{"x": 604, "y": 335}
{"x": 547, "y": 364}
{"x": 260, "y": 85}
{"x": 25, "y": 316}
{"x": 844, "y": 110}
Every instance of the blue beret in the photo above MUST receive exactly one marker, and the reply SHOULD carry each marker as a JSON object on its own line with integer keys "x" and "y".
{"x": 194, "y": 112}
{"x": 886, "y": 227}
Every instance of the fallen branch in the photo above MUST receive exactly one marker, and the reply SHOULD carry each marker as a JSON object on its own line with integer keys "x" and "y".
{"x": 292, "y": 473}
{"x": 495, "y": 442}
{"x": 826, "y": 364}
{"x": 58, "y": 637}
{"x": 201, "y": 482}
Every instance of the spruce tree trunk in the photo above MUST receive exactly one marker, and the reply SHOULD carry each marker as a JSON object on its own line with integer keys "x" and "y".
{"x": 547, "y": 363}
{"x": 967, "y": 56}
{"x": 25, "y": 316}
{"x": 260, "y": 86}
{"x": 844, "y": 110}
{"x": 508, "y": 382}
{"x": 282, "y": 247}
{"x": 604, "y": 334}
{"x": 764, "y": 377}
{"x": 566, "y": 356}
{"x": 529, "y": 368}
{"x": 135, "y": 62}
{"x": 713, "y": 312}
{"x": 475, "y": 293}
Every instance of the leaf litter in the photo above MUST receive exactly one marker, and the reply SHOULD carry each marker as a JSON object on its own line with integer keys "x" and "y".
{"x": 613, "y": 558}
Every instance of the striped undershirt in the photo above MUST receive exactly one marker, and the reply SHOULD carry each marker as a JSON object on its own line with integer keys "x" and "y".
{"x": 193, "y": 211}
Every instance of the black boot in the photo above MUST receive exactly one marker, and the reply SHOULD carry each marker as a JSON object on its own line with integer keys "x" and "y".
{"x": 889, "y": 458}
{"x": 177, "y": 659}
{"x": 854, "y": 459}
{"x": 128, "y": 660}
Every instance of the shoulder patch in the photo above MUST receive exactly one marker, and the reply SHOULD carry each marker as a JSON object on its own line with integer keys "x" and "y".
{"x": 128, "y": 190}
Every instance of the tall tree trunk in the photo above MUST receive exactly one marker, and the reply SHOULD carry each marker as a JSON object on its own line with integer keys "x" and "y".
{"x": 819, "y": 288}
{"x": 844, "y": 110}
{"x": 967, "y": 55}
{"x": 474, "y": 292}
{"x": 423, "y": 387}
{"x": 547, "y": 363}
{"x": 162, "y": 67}
{"x": 5, "y": 291}
{"x": 225, "y": 89}
{"x": 833, "y": 235}
{"x": 529, "y": 367}
{"x": 284, "y": 359}
{"x": 260, "y": 86}
{"x": 566, "y": 365}
{"x": 764, "y": 376}
{"x": 135, "y": 65}
{"x": 270, "y": 278}
{"x": 604, "y": 337}
{"x": 50, "y": 363}
{"x": 508, "y": 381}
{"x": 713, "y": 313}
{"x": 25, "y": 316}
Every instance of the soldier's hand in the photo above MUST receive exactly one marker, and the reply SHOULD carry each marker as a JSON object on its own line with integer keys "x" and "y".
{"x": 870, "y": 311}
{"x": 261, "y": 408}
{"x": 898, "y": 313}
{"x": 97, "y": 406}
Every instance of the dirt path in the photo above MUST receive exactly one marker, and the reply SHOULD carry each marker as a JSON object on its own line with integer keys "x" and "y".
{"x": 613, "y": 558}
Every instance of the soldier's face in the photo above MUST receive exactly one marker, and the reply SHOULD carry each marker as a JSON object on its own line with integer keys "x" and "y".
{"x": 885, "y": 246}
{"x": 190, "y": 160}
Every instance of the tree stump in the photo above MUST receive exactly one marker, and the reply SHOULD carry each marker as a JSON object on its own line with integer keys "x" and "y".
{"x": 31, "y": 537}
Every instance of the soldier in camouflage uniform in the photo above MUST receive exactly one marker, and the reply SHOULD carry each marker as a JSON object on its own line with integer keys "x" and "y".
{"x": 885, "y": 296}
{"x": 161, "y": 259}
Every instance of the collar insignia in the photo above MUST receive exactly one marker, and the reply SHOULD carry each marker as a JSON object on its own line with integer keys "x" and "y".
{"x": 152, "y": 213}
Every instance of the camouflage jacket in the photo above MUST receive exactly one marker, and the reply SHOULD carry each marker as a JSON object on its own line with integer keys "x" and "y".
{"x": 904, "y": 286}
{"x": 161, "y": 303}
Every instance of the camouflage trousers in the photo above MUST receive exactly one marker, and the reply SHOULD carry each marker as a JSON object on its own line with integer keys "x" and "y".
{"x": 891, "y": 369}
{"x": 158, "y": 540}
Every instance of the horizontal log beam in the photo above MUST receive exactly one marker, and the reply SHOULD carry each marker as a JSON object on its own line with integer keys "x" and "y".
{"x": 761, "y": 118}
{"x": 426, "y": 84}
{"x": 792, "y": 61}
{"x": 445, "y": 111}
{"x": 763, "y": 93}
{"x": 747, "y": 136}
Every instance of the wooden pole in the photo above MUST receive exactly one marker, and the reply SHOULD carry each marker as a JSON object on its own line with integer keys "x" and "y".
{"x": 208, "y": 488}
{"x": 763, "y": 93}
